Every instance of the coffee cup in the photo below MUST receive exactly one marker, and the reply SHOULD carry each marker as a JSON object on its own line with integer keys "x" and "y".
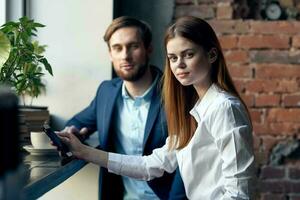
{"x": 40, "y": 140}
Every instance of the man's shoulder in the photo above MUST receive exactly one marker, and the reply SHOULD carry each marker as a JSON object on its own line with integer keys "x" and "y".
{"x": 110, "y": 83}
{"x": 157, "y": 71}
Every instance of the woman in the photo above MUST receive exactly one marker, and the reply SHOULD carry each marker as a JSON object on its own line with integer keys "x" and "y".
{"x": 209, "y": 125}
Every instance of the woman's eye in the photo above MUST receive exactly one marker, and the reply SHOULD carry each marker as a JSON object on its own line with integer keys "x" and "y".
{"x": 173, "y": 59}
{"x": 189, "y": 55}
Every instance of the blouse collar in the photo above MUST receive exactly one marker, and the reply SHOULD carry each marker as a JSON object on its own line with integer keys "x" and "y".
{"x": 201, "y": 106}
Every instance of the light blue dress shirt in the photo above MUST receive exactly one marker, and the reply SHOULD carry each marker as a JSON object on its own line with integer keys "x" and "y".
{"x": 131, "y": 116}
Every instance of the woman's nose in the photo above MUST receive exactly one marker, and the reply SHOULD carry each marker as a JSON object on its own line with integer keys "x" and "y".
{"x": 181, "y": 63}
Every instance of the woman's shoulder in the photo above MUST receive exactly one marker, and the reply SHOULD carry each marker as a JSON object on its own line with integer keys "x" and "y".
{"x": 224, "y": 103}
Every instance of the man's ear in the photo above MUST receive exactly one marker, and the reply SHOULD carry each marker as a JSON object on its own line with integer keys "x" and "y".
{"x": 212, "y": 55}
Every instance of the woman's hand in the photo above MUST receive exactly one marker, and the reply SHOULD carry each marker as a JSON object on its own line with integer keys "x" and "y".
{"x": 75, "y": 146}
{"x": 80, "y": 150}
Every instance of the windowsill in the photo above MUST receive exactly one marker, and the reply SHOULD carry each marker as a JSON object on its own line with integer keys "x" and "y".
{"x": 46, "y": 172}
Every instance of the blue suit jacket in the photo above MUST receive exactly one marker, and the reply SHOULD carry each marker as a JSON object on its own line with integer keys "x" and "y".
{"x": 99, "y": 116}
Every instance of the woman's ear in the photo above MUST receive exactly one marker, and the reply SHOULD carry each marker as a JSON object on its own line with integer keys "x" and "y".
{"x": 212, "y": 55}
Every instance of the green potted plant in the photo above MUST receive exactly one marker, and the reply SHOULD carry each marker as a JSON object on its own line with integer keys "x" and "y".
{"x": 22, "y": 66}
{"x": 25, "y": 66}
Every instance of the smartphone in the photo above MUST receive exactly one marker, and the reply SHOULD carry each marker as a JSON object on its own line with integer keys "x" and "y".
{"x": 57, "y": 141}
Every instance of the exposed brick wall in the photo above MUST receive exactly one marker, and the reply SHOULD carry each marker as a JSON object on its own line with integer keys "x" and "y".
{"x": 264, "y": 60}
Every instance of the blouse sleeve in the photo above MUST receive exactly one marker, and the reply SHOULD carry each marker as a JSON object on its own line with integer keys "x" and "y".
{"x": 232, "y": 132}
{"x": 143, "y": 167}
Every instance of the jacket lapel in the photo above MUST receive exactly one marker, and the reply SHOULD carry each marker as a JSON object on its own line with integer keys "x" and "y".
{"x": 152, "y": 114}
{"x": 108, "y": 111}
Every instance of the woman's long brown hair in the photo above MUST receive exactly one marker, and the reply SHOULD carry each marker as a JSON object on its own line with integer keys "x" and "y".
{"x": 179, "y": 99}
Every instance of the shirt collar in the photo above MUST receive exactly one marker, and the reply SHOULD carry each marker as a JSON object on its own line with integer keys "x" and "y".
{"x": 147, "y": 94}
{"x": 202, "y": 104}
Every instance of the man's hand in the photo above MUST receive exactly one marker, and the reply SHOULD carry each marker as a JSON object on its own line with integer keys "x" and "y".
{"x": 81, "y": 134}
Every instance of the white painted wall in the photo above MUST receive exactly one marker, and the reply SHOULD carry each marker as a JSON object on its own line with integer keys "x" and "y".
{"x": 2, "y": 12}
{"x": 76, "y": 51}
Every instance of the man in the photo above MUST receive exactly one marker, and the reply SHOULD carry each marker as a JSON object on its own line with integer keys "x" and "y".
{"x": 127, "y": 113}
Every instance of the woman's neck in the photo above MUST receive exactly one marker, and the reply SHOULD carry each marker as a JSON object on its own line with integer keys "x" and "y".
{"x": 202, "y": 88}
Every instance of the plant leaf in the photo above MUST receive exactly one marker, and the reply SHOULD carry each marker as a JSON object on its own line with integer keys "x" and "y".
{"x": 38, "y": 25}
{"x": 4, "y": 49}
{"x": 47, "y": 65}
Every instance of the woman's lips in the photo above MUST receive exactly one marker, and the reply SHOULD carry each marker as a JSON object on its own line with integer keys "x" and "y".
{"x": 182, "y": 74}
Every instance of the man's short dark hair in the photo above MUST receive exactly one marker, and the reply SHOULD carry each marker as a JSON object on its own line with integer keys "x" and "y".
{"x": 125, "y": 21}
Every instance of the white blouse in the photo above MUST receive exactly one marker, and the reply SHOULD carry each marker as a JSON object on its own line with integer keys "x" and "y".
{"x": 218, "y": 162}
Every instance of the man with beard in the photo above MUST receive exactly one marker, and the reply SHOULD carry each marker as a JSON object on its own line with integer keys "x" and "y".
{"x": 127, "y": 113}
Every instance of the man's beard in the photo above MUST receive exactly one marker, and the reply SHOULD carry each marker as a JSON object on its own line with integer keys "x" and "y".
{"x": 134, "y": 75}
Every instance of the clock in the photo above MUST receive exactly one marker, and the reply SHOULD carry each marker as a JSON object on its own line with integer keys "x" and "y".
{"x": 273, "y": 11}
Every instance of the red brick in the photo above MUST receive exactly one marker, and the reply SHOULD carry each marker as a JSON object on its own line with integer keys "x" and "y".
{"x": 279, "y": 186}
{"x": 275, "y": 27}
{"x": 264, "y": 85}
{"x": 229, "y": 26}
{"x": 267, "y": 71}
{"x": 284, "y": 115}
{"x": 239, "y": 84}
{"x": 264, "y": 41}
{"x": 293, "y": 187}
{"x": 283, "y": 128}
{"x": 270, "y": 85}
{"x": 275, "y": 56}
{"x": 267, "y": 100}
{"x": 275, "y": 85}
{"x": 228, "y": 41}
{"x": 261, "y": 129}
{"x": 248, "y": 99}
{"x": 272, "y": 186}
{"x": 269, "y": 172}
{"x": 268, "y": 142}
{"x": 261, "y": 157}
{"x": 294, "y": 173}
{"x": 202, "y": 11}
{"x": 184, "y": 1}
{"x": 294, "y": 57}
{"x": 256, "y": 142}
{"x": 270, "y": 56}
{"x": 289, "y": 86}
{"x": 273, "y": 197}
{"x": 241, "y": 27}
{"x": 224, "y": 11}
{"x": 255, "y": 86}
{"x": 195, "y": 2}
{"x": 240, "y": 71}
{"x": 236, "y": 56}
{"x": 223, "y": 26}
{"x": 296, "y": 25}
{"x": 296, "y": 41}
{"x": 294, "y": 197}
{"x": 291, "y": 100}
{"x": 256, "y": 115}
